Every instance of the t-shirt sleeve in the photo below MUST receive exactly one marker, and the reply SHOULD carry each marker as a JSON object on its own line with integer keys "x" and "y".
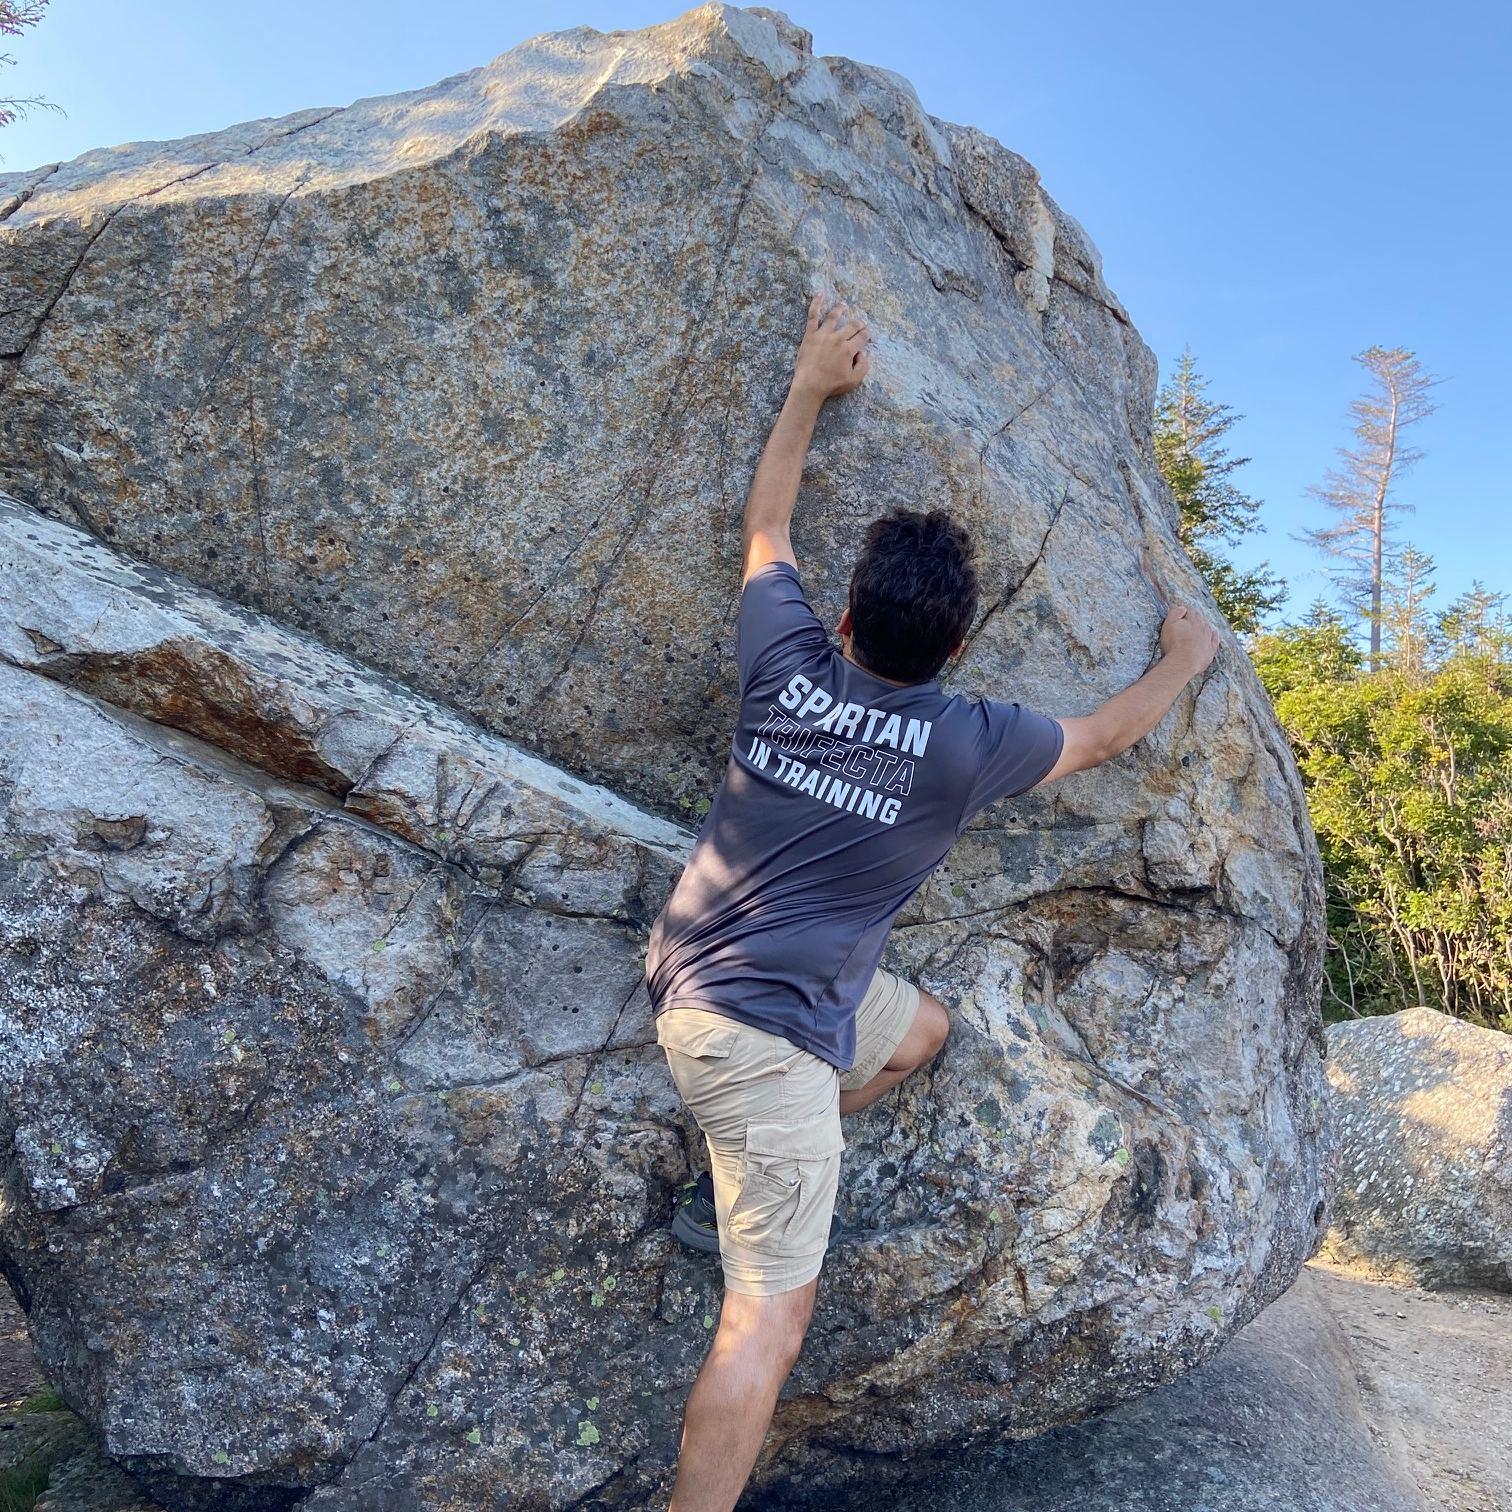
{"x": 1016, "y": 747}
{"x": 776, "y": 628}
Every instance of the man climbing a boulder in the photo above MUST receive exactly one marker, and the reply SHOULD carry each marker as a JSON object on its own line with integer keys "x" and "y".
{"x": 851, "y": 775}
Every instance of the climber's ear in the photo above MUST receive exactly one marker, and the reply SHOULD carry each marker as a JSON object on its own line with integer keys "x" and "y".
{"x": 844, "y": 627}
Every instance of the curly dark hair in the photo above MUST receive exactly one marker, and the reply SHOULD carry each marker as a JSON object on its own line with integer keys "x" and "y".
{"x": 913, "y": 594}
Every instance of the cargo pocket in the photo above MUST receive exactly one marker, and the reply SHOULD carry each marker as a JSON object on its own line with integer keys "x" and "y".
{"x": 692, "y": 1031}
{"x": 698, "y": 1045}
{"x": 788, "y": 1172}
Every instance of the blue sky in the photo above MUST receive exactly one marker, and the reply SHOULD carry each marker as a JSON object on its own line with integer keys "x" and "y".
{"x": 1279, "y": 186}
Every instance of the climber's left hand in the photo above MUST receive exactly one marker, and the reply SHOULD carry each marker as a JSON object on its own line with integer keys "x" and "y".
{"x": 833, "y": 357}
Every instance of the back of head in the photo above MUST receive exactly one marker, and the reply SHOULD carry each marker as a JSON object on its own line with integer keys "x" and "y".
{"x": 913, "y": 594}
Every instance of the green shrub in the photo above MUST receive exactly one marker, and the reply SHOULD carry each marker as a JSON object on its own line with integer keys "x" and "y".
{"x": 1409, "y": 779}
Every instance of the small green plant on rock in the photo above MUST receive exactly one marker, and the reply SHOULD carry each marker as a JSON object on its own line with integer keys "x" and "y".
{"x": 22, "y": 1483}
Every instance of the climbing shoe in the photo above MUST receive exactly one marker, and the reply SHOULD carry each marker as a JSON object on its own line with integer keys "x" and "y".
{"x": 693, "y": 1223}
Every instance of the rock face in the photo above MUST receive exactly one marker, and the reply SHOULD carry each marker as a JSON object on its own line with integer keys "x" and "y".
{"x": 376, "y": 480}
{"x": 1423, "y": 1104}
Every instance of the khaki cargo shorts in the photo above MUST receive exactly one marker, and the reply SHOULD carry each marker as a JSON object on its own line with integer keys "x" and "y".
{"x": 770, "y": 1114}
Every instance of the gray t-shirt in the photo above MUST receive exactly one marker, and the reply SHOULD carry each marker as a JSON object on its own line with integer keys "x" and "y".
{"x": 842, "y": 795}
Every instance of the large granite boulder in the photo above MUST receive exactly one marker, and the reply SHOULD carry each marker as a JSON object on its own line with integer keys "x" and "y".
{"x": 1423, "y": 1105}
{"x": 364, "y": 646}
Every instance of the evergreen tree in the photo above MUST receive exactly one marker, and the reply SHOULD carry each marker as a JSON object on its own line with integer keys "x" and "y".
{"x": 1475, "y": 625}
{"x": 1215, "y": 513}
{"x": 1405, "y": 612}
{"x": 1408, "y": 772}
{"x": 1318, "y": 652}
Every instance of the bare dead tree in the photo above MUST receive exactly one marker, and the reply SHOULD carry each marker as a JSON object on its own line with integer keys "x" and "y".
{"x": 1361, "y": 490}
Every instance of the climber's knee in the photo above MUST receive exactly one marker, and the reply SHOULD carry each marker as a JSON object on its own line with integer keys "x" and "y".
{"x": 925, "y": 1038}
{"x": 769, "y": 1330}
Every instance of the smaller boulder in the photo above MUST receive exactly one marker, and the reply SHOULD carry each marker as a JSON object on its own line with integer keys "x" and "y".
{"x": 1423, "y": 1106}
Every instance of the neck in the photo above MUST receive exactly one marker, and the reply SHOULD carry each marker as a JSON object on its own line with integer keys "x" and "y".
{"x": 856, "y": 661}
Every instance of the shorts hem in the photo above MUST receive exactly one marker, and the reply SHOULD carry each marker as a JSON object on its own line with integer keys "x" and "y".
{"x": 772, "y": 1286}
{"x": 896, "y": 1031}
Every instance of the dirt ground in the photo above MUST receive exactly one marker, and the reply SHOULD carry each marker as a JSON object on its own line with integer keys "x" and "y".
{"x": 1435, "y": 1370}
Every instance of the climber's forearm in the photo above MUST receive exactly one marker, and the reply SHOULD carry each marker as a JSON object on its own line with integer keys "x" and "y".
{"x": 1125, "y": 718}
{"x": 1187, "y": 647}
{"x": 832, "y": 359}
{"x": 774, "y": 489}
{"x": 1131, "y": 715}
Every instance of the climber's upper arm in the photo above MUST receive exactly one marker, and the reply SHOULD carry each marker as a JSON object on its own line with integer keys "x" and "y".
{"x": 776, "y": 629}
{"x": 767, "y": 544}
{"x": 1085, "y": 745}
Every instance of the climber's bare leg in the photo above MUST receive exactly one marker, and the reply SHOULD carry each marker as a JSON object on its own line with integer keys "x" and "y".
{"x": 758, "y": 1340}
{"x": 732, "y": 1400}
{"x": 917, "y": 1048}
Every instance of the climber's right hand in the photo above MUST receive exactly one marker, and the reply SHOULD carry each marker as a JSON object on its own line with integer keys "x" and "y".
{"x": 1188, "y": 640}
{"x": 832, "y": 357}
